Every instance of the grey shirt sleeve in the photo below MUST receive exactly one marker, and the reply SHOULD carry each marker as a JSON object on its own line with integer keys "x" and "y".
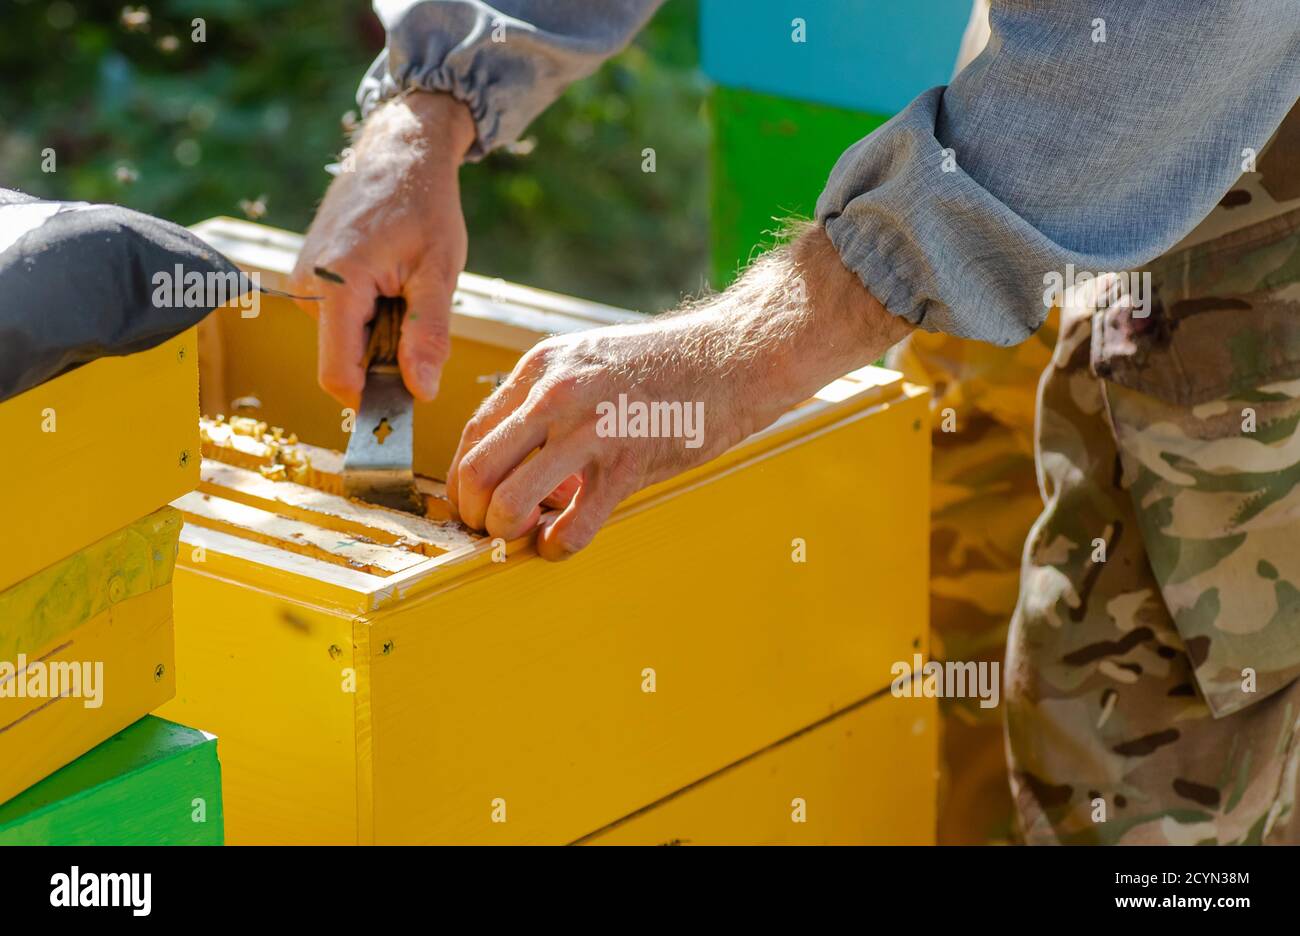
{"x": 506, "y": 61}
{"x": 1056, "y": 148}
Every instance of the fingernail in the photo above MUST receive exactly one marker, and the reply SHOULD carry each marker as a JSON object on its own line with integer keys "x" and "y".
{"x": 429, "y": 377}
{"x": 328, "y": 275}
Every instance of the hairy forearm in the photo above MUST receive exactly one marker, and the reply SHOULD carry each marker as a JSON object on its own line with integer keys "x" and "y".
{"x": 827, "y": 321}
{"x": 420, "y": 121}
{"x": 796, "y": 320}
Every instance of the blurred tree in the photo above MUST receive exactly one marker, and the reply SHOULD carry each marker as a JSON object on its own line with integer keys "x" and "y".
{"x": 135, "y": 111}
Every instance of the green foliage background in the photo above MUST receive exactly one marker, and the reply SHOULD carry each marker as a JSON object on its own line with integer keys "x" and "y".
{"x": 258, "y": 110}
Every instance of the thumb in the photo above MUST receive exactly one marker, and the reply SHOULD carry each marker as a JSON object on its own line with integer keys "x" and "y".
{"x": 426, "y": 334}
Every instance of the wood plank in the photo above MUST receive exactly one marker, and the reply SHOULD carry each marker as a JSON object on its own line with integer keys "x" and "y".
{"x": 287, "y": 721}
{"x": 212, "y": 366}
{"x": 133, "y": 641}
{"x": 40, "y": 612}
{"x": 831, "y": 777}
{"x": 523, "y": 681}
{"x": 247, "y": 443}
{"x": 290, "y": 574}
{"x": 390, "y": 527}
{"x": 154, "y": 783}
{"x": 354, "y": 552}
{"x": 125, "y": 442}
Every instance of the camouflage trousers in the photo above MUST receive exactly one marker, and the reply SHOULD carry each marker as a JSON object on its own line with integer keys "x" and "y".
{"x": 1152, "y": 662}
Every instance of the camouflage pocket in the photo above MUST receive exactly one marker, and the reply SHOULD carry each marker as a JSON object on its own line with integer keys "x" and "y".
{"x": 1204, "y": 401}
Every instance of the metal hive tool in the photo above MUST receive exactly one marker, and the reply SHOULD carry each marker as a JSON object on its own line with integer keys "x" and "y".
{"x": 377, "y": 465}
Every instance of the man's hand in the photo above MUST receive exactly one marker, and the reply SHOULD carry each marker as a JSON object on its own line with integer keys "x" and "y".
{"x": 794, "y": 322}
{"x": 391, "y": 226}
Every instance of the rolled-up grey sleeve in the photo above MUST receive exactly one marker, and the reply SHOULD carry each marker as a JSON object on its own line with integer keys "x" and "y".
{"x": 506, "y": 61}
{"x": 1054, "y": 147}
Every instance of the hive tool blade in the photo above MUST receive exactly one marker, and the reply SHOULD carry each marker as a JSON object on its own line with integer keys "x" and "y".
{"x": 377, "y": 465}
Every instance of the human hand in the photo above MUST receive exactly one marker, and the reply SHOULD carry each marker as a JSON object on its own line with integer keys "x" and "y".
{"x": 392, "y": 226}
{"x": 551, "y": 436}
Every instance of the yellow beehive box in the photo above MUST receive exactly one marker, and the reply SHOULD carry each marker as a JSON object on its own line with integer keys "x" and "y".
{"x": 381, "y": 678}
{"x": 92, "y": 450}
{"x": 85, "y": 649}
{"x": 862, "y": 776}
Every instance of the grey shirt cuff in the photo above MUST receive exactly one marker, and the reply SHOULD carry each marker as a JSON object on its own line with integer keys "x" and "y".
{"x": 506, "y": 69}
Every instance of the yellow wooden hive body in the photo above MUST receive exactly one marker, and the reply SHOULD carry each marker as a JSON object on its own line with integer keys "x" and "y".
{"x": 87, "y": 551}
{"x": 93, "y": 450}
{"x": 381, "y": 678}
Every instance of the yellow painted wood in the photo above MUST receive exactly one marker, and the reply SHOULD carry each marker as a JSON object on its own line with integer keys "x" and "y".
{"x": 290, "y": 575}
{"x": 218, "y": 513}
{"x": 125, "y": 442}
{"x": 269, "y": 362}
{"x": 861, "y": 777}
{"x": 428, "y": 535}
{"x": 299, "y": 502}
{"x": 522, "y": 679}
{"x": 252, "y": 445}
{"x": 482, "y": 685}
{"x": 133, "y": 641}
{"x": 39, "y": 612}
{"x": 272, "y": 358}
{"x": 267, "y": 676}
{"x": 524, "y": 682}
{"x": 108, "y": 604}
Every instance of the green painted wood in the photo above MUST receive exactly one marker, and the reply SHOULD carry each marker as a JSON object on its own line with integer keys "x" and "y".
{"x": 771, "y": 157}
{"x": 137, "y": 788}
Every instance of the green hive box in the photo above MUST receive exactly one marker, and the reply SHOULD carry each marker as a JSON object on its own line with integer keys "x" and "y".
{"x": 771, "y": 158}
{"x": 150, "y": 784}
